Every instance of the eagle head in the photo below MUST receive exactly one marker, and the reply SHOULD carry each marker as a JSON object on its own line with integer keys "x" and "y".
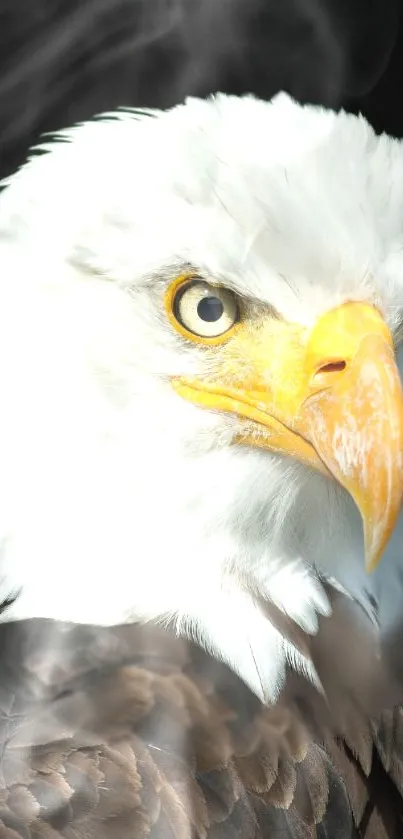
{"x": 202, "y": 414}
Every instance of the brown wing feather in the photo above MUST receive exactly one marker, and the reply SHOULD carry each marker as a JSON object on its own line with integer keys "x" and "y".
{"x": 130, "y": 732}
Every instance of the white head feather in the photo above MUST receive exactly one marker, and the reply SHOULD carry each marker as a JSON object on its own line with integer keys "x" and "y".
{"x": 118, "y": 499}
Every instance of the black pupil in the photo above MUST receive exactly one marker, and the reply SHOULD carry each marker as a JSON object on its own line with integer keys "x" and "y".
{"x": 210, "y": 309}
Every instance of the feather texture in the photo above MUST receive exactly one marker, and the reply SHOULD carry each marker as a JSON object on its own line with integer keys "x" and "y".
{"x": 132, "y": 732}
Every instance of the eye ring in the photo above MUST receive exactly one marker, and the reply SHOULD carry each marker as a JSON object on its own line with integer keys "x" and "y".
{"x": 202, "y": 311}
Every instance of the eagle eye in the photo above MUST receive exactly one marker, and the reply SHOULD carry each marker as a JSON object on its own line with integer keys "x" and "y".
{"x": 203, "y": 310}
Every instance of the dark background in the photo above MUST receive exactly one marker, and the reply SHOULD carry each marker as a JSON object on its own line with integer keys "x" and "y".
{"x": 62, "y": 61}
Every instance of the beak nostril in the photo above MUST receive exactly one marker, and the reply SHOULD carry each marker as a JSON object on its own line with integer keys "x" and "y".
{"x": 332, "y": 367}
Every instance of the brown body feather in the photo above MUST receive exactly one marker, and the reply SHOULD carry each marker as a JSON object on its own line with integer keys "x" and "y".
{"x": 130, "y": 732}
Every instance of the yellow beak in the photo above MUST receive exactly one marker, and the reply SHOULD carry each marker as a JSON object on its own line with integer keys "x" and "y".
{"x": 330, "y": 396}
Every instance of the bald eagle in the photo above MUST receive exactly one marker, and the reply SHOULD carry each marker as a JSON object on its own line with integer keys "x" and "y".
{"x": 202, "y": 428}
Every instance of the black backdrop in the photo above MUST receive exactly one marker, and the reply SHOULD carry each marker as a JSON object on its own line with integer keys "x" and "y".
{"x": 61, "y": 61}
